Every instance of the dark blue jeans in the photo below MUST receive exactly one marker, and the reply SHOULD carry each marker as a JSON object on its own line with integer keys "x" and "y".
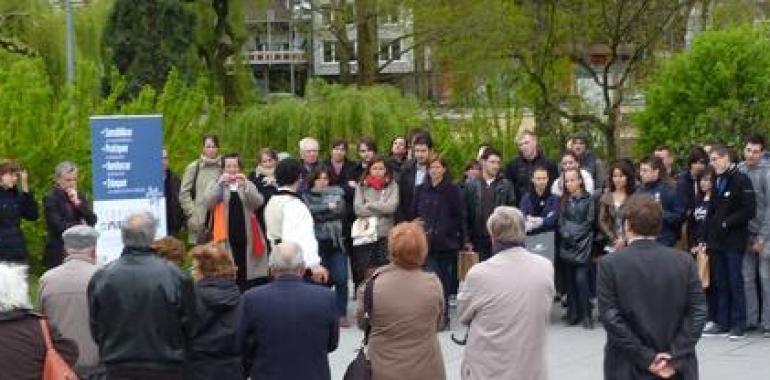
{"x": 336, "y": 262}
{"x": 444, "y": 265}
{"x": 731, "y": 300}
{"x": 577, "y": 290}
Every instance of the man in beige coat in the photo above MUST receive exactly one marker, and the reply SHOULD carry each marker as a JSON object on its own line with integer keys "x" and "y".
{"x": 64, "y": 301}
{"x": 506, "y": 302}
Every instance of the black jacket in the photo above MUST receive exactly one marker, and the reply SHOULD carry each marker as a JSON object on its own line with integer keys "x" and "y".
{"x": 15, "y": 205}
{"x": 519, "y": 172}
{"x": 349, "y": 172}
{"x": 174, "y": 215}
{"x": 267, "y": 189}
{"x": 734, "y": 206}
{"x": 673, "y": 209}
{"x": 142, "y": 311}
{"x": 61, "y": 214}
{"x": 443, "y": 212}
{"x": 476, "y": 221}
{"x": 576, "y": 228}
{"x": 288, "y": 327}
{"x": 650, "y": 301}
{"x": 406, "y": 191}
{"x": 214, "y": 353}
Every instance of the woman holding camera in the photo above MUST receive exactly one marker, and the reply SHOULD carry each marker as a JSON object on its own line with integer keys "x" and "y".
{"x": 232, "y": 200}
{"x": 16, "y": 203}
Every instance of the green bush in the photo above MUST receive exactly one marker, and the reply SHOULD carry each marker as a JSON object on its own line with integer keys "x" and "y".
{"x": 718, "y": 90}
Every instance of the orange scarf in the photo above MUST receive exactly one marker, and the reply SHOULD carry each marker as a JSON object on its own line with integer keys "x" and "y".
{"x": 219, "y": 230}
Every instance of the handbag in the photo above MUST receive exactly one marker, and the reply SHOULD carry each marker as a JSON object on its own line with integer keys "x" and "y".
{"x": 466, "y": 260}
{"x": 54, "y": 366}
{"x": 364, "y": 230}
{"x": 361, "y": 368}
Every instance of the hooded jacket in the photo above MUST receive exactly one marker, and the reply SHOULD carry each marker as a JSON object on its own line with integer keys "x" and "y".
{"x": 214, "y": 353}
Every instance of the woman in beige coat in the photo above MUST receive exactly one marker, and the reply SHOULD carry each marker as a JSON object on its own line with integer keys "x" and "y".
{"x": 406, "y": 311}
{"x": 240, "y": 198}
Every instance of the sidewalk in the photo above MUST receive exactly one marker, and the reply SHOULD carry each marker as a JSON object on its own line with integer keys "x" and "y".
{"x": 576, "y": 354}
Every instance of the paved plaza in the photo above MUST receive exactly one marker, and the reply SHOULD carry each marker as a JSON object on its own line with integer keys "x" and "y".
{"x": 576, "y": 354}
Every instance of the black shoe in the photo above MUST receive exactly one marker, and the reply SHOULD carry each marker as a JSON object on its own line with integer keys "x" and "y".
{"x": 444, "y": 325}
{"x": 574, "y": 321}
{"x": 588, "y": 323}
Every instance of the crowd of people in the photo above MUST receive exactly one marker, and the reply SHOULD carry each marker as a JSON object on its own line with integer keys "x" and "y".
{"x": 264, "y": 290}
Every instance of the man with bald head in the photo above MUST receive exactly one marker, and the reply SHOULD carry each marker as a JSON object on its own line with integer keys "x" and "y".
{"x": 142, "y": 308}
{"x": 289, "y": 326}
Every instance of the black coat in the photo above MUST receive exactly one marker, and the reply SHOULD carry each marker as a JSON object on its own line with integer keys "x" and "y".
{"x": 734, "y": 206}
{"x": 175, "y": 219}
{"x": 267, "y": 189}
{"x": 61, "y": 214}
{"x": 576, "y": 228}
{"x": 650, "y": 301}
{"x": 214, "y": 353}
{"x": 519, "y": 172}
{"x": 443, "y": 212}
{"x": 142, "y": 310}
{"x": 406, "y": 191}
{"x": 288, "y": 327}
{"x": 15, "y": 205}
{"x": 476, "y": 221}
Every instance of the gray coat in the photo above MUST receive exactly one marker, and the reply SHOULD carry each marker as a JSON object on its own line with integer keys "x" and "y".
{"x": 64, "y": 301}
{"x": 380, "y": 203}
{"x": 760, "y": 180}
{"x": 251, "y": 200}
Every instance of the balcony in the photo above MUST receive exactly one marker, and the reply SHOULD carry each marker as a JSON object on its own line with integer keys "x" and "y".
{"x": 276, "y": 57}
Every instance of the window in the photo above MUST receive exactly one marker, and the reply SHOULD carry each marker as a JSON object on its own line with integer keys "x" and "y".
{"x": 326, "y": 15}
{"x": 390, "y": 50}
{"x": 330, "y": 52}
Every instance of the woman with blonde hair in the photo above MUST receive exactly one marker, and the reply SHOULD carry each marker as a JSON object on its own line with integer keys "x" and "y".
{"x": 405, "y": 312}
{"x": 213, "y": 353}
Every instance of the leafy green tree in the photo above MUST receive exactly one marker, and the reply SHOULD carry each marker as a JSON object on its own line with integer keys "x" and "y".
{"x": 718, "y": 90}
{"x": 146, "y": 38}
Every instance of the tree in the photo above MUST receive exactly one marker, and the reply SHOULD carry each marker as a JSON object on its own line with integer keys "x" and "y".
{"x": 610, "y": 43}
{"x": 718, "y": 90}
{"x": 146, "y": 38}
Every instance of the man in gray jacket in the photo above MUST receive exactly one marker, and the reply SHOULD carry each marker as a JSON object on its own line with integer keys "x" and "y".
{"x": 756, "y": 261}
{"x": 63, "y": 297}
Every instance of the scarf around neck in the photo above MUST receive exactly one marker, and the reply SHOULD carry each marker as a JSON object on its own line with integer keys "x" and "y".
{"x": 377, "y": 183}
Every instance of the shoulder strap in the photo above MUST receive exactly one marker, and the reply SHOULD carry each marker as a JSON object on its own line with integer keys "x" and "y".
{"x": 193, "y": 191}
{"x": 46, "y": 333}
{"x": 369, "y": 306}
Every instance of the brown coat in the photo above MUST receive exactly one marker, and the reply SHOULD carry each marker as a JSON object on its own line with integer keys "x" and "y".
{"x": 406, "y": 310}
{"x": 607, "y": 214}
{"x": 22, "y": 347}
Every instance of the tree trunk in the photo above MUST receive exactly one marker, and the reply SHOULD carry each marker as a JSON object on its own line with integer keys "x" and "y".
{"x": 368, "y": 49}
{"x": 224, "y": 49}
{"x": 343, "y": 46}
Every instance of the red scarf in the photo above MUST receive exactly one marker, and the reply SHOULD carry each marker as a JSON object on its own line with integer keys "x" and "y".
{"x": 376, "y": 183}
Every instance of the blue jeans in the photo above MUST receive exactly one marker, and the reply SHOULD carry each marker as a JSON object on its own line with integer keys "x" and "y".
{"x": 336, "y": 262}
{"x": 731, "y": 300}
{"x": 577, "y": 290}
{"x": 444, "y": 265}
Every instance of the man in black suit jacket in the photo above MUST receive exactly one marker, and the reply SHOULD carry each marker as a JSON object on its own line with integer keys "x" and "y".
{"x": 650, "y": 302}
{"x": 289, "y": 326}
{"x": 415, "y": 173}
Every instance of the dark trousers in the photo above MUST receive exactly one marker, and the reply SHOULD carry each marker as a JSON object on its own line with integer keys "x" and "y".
{"x": 368, "y": 258}
{"x": 577, "y": 290}
{"x": 482, "y": 246}
{"x": 444, "y": 265}
{"x": 143, "y": 374}
{"x": 731, "y": 300}
{"x": 336, "y": 262}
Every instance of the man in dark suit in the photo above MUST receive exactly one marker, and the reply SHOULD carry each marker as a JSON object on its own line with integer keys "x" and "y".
{"x": 414, "y": 173}
{"x": 650, "y": 302}
{"x": 289, "y": 326}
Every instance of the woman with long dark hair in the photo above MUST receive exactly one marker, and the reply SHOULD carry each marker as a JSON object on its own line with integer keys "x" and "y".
{"x": 576, "y": 229}
{"x": 621, "y": 184}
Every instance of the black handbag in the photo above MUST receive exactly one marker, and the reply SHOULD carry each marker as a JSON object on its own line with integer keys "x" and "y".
{"x": 361, "y": 368}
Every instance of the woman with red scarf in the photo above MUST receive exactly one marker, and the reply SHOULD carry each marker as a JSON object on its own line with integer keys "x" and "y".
{"x": 376, "y": 200}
